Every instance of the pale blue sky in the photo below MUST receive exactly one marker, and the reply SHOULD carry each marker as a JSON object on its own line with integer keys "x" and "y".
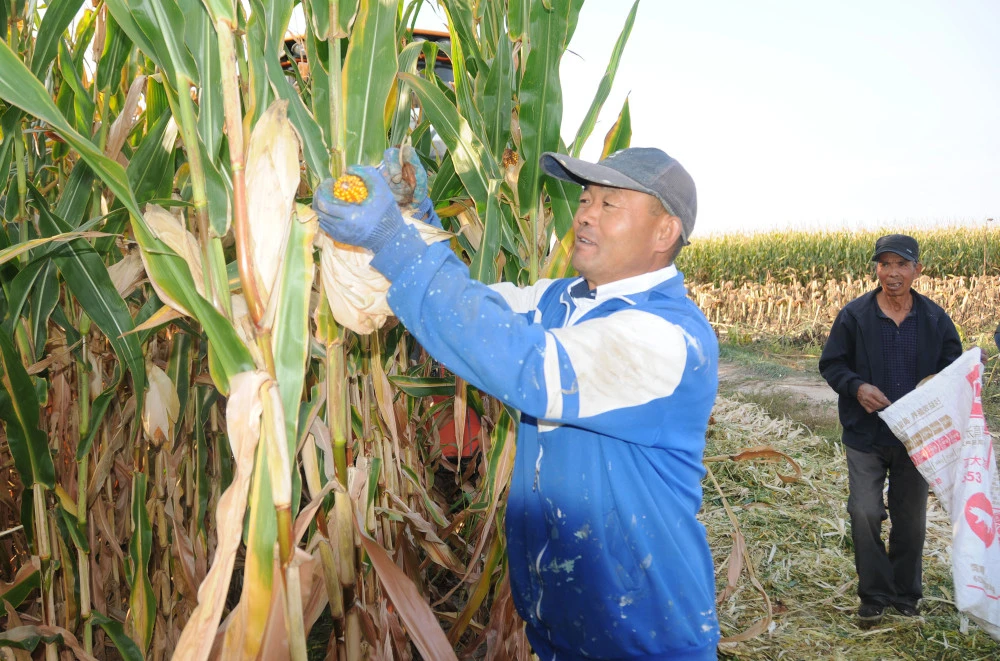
{"x": 806, "y": 114}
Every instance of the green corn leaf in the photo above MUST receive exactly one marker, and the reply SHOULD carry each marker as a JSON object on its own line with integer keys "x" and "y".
{"x": 83, "y": 37}
{"x": 152, "y": 159}
{"x": 269, "y": 37}
{"x": 116, "y": 632}
{"x": 497, "y": 98}
{"x": 98, "y": 408}
{"x": 467, "y": 152}
{"x": 26, "y": 581}
{"x": 462, "y": 25}
{"x": 87, "y": 277}
{"x": 620, "y": 134}
{"x": 314, "y": 147}
{"x": 8, "y": 124}
{"x": 260, "y": 95}
{"x": 483, "y": 267}
{"x": 447, "y": 185}
{"x": 291, "y": 326}
{"x": 162, "y": 21}
{"x": 73, "y": 528}
{"x": 117, "y": 47}
{"x": 408, "y": 59}
{"x": 75, "y": 195}
{"x": 260, "y": 537}
{"x": 424, "y": 386}
{"x": 203, "y": 42}
{"x": 122, "y": 12}
{"x": 58, "y": 15}
{"x": 43, "y": 302}
{"x": 565, "y": 197}
{"x": 19, "y": 410}
{"x": 518, "y": 12}
{"x": 83, "y": 107}
{"x": 179, "y": 369}
{"x": 492, "y": 28}
{"x": 323, "y": 23}
{"x": 20, "y": 88}
{"x": 19, "y": 289}
{"x": 172, "y": 274}
{"x": 541, "y": 95}
{"x": 604, "y": 87}
{"x": 28, "y": 637}
{"x": 463, "y": 82}
{"x": 218, "y": 189}
{"x": 224, "y": 10}
{"x": 142, "y": 601}
{"x": 369, "y": 73}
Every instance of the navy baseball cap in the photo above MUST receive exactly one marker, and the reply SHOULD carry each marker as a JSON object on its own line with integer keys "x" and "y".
{"x": 901, "y": 244}
{"x": 646, "y": 170}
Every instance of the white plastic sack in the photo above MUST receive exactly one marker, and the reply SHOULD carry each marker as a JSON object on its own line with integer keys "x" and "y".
{"x": 941, "y": 423}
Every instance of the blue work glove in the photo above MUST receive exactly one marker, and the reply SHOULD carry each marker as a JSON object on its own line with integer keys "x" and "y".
{"x": 370, "y": 224}
{"x": 407, "y": 180}
{"x": 405, "y": 175}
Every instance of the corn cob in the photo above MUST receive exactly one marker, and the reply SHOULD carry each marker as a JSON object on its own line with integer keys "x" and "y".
{"x": 350, "y": 188}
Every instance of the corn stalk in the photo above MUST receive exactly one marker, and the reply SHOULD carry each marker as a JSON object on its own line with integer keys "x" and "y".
{"x": 203, "y": 463}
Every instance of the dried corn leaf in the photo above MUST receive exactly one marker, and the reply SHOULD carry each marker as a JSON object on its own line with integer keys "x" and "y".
{"x": 125, "y": 122}
{"x": 162, "y": 316}
{"x": 420, "y": 620}
{"x": 272, "y": 175}
{"x": 243, "y": 413}
{"x": 127, "y": 273}
{"x": 167, "y": 228}
{"x": 763, "y": 453}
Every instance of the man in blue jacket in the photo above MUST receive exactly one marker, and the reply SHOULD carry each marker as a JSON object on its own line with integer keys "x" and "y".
{"x": 614, "y": 373}
{"x": 881, "y": 345}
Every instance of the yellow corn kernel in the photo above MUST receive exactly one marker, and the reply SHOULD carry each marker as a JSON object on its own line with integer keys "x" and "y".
{"x": 350, "y": 188}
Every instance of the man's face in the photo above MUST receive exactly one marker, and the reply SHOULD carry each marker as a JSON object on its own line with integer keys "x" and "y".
{"x": 896, "y": 273}
{"x": 619, "y": 235}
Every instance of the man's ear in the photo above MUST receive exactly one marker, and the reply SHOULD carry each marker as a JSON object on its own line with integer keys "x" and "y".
{"x": 920, "y": 269}
{"x": 668, "y": 232}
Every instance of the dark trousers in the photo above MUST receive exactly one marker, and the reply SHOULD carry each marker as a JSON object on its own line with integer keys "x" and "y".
{"x": 893, "y": 577}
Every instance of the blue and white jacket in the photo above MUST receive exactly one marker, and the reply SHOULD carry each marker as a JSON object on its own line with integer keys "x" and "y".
{"x": 606, "y": 557}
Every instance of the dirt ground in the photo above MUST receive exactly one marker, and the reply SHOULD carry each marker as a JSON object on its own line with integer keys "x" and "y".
{"x": 800, "y": 386}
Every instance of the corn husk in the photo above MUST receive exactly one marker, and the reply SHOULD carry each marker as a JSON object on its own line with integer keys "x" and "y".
{"x": 161, "y": 407}
{"x": 357, "y": 292}
{"x": 272, "y": 175}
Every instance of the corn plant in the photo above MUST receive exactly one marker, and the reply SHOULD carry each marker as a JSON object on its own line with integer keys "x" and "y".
{"x": 203, "y": 463}
{"x": 803, "y": 256}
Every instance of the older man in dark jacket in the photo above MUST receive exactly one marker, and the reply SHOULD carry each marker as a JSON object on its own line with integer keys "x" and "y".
{"x": 881, "y": 345}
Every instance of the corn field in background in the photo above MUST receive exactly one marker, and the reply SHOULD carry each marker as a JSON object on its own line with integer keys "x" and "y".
{"x": 198, "y": 461}
{"x": 804, "y": 257}
{"x": 803, "y": 314}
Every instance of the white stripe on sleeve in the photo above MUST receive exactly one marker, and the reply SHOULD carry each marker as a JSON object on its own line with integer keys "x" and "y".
{"x": 521, "y": 299}
{"x": 627, "y": 359}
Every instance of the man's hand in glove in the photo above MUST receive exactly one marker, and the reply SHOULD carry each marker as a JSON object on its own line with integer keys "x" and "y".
{"x": 407, "y": 180}
{"x": 370, "y": 223}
